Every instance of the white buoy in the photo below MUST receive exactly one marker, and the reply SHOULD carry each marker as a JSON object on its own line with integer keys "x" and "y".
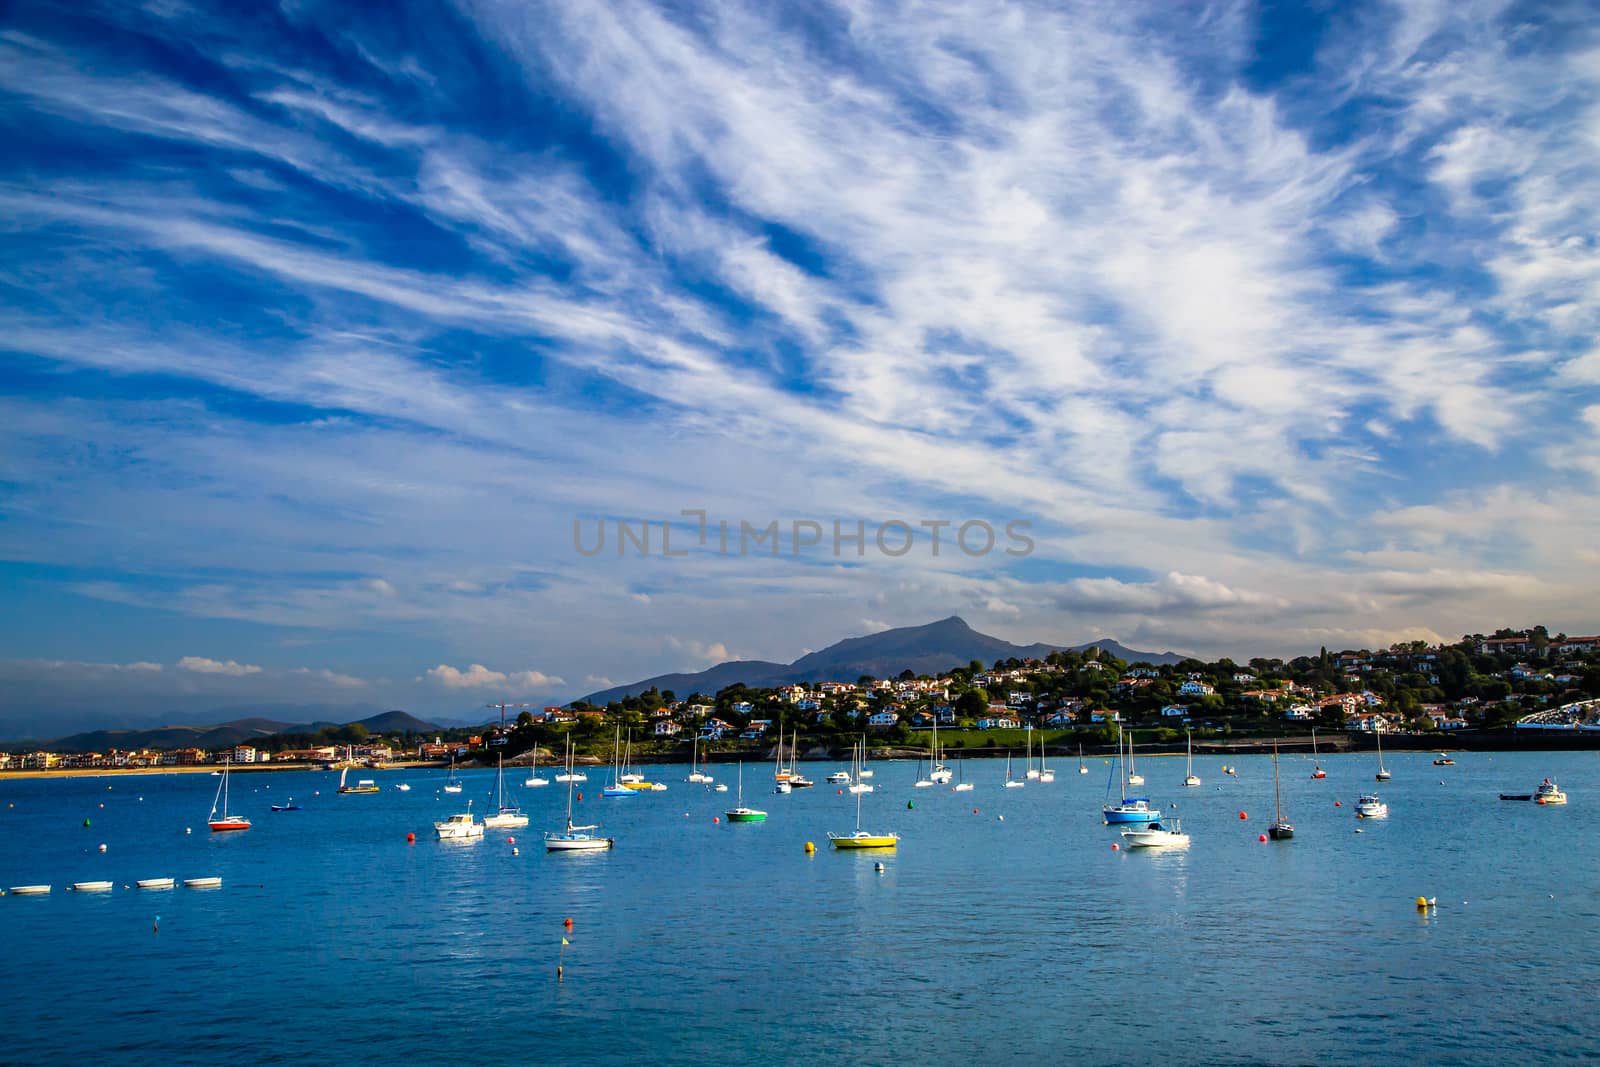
{"x": 102, "y": 846}
{"x": 187, "y": 830}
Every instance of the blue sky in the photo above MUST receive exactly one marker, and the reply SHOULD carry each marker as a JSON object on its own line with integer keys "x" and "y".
{"x": 321, "y": 327}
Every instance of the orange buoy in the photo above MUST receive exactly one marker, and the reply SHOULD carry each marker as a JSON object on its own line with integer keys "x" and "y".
{"x": 567, "y": 922}
{"x": 580, "y": 796}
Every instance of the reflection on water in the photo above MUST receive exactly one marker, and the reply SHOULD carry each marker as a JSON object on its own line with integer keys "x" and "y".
{"x": 1025, "y": 936}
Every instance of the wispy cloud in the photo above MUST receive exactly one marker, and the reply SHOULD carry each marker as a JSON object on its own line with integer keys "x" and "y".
{"x": 347, "y": 337}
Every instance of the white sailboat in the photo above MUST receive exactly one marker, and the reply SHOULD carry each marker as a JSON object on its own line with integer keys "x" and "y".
{"x": 938, "y": 773}
{"x": 1127, "y": 809}
{"x": 1316, "y": 761}
{"x": 797, "y": 780}
{"x": 1191, "y": 778}
{"x": 1083, "y": 768}
{"x": 618, "y": 786}
{"x": 1383, "y": 774}
{"x": 1012, "y": 783}
{"x": 740, "y": 813}
{"x": 695, "y": 773}
{"x": 858, "y": 754}
{"x": 863, "y": 772}
{"x": 574, "y": 838}
{"x": 1027, "y": 754}
{"x": 507, "y": 816}
{"x": 451, "y": 785}
{"x": 1045, "y": 773}
{"x": 1134, "y": 777}
{"x": 962, "y": 785}
{"x": 533, "y": 780}
{"x": 921, "y": 782}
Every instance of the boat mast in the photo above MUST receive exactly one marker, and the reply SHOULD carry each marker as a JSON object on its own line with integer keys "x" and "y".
{"x": 1277, "y": 793}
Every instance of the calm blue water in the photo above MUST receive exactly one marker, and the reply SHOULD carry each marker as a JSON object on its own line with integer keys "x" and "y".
{"x": 333, "y": 940}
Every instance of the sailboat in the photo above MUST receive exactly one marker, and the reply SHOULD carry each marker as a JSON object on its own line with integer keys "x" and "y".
{"x": 363, "y": 785}
{"x": 224, "y": 821}
{"x": 1083, "y": 768}
{"x": 533, "y": 779}
{"x": 861, "y": 838}
{"x": 616, "y": 788}
{"x": 859, "y": 756}
{"x": 740, "y": 813}
{"x": 695, "y": 773}
{"x": 863, "y": 772}
{"x": 1383, "y": 774}
{"x": 796, "y": 779}
{"x": 1045, "y": 773}
{"x": 1316, "y": 762}
{"x": 1134, "y": 777}
{"x": 781, "y": 773}
{"x": 1127, "y": 809}
{"x": 1281, "y": 829}
{"x": 451, "y": 785}
{"x": 574, "y": 838}
{"x": 938, "y": 773}
{"x": 508, "y": 815}
{"x": 962, "y": 785}
{"x": 1012, "y": 783}
{"x": 1190, "y": 778}
{"x": 1027, "y": 754}
{"x": 921, "y": 782}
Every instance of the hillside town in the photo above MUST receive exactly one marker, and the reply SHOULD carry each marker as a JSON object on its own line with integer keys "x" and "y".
{"x": 1518, "y": 679}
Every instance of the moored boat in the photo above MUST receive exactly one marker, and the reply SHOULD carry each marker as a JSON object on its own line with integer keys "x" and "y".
{"x": 1127, "y": 809}
{"x": 1281, "y": 829}
{"x": 156, "y": 883}
{"x": 28, "y": 890}
{"x": 1156, "y": 835}
{"x": 224, "y": 820}
{"x": 1368, "y": 806}
{"x": 740, "y": 813}
{"x": 209, "y": 882}
{"x": 859, "y": 838}
{"x": 507, "y": 816}
{"x": 574, "y": 838}
{"x": 459, "y": 827}
{"x": 92, "y": 887}
{"x": 1549, "y": 793}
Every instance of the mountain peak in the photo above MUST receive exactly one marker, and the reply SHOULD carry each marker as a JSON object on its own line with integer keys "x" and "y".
{"x": 930, "y": 648}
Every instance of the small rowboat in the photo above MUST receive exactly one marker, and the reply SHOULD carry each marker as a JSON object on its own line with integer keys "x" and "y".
{"x": 29, "y": 890}
{"x": 156, "y": 883}
{"x": 202, "y": 883}
{"x": 93, "y": 887}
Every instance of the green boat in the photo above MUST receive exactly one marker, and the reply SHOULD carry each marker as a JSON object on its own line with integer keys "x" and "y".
{"x": 742, "y": 813}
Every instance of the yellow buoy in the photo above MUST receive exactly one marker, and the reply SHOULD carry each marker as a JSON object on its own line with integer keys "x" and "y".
{"x": 1422, "y": 902}
{"x": 810, "y": 848}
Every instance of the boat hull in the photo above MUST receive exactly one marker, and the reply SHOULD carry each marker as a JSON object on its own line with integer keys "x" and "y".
{"x": 202, "y": 883}
{"x": 92, "y": 887}
{"x": 617, "y": 791}
{"x": 554, "y": 842}
{"x": 1130, "y": 815}
{"x": 864, "y": 840}
{"x": 219, "y": 826}
{"x": 28, "y": 890}
{"x": 156, "y": 883}
{"x": 505, "y": 822}
{"x": 745, "y": 816}
{"x": 373, "y": 789}
{"x": 1156, "y": 839}
{"x": 1280, "y": 831}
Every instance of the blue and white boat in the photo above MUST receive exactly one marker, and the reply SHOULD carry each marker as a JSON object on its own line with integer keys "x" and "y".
{"x": 1127, "y": 809}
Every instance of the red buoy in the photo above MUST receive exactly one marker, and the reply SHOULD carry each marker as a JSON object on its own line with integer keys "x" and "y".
{"x": 1115, "y": 847}
{"x": 1261, "y": 837}
{"x": 567, "y": 923}
{"x": 511, "y": 840}
{"x": 1242, "y": 815}
{"x": 411, "y": 839}
{"x": 1337, "y": 804}
{"x": 716, "y": 818}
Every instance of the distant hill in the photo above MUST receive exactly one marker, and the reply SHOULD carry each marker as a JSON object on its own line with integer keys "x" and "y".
{"x": 928, "y": 649}
{"x": 224, "y": 735}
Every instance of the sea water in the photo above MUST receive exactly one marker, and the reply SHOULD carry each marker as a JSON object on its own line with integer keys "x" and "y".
{"x": 1005, "y": 927}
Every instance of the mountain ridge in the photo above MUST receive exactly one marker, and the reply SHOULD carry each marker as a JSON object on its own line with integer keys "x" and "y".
{"x": 927, "y": 649}
{"x": 220, "y": 735}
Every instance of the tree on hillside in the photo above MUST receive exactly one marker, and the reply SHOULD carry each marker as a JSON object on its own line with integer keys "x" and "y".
{"x": 972, "y": 704}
